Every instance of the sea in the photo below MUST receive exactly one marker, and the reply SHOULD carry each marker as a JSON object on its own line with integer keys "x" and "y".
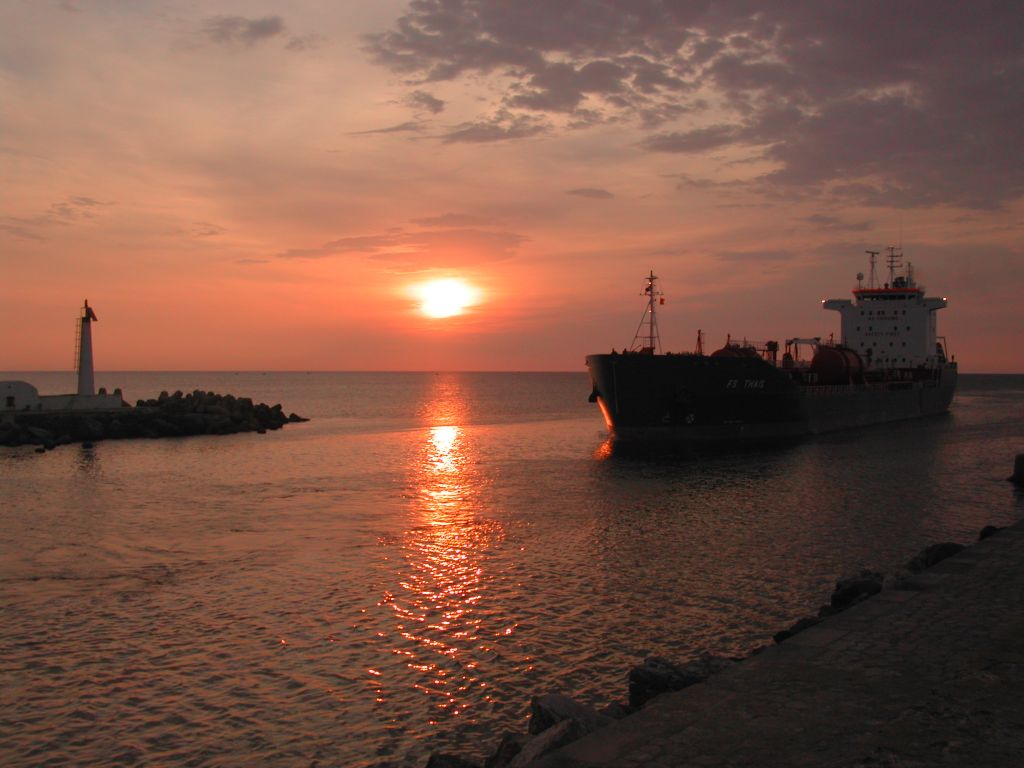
{"x": 400, "y": 574}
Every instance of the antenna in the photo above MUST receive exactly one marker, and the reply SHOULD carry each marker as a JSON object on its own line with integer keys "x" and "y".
{"x": 893, "y": 260}
{"x": 872, "y": 277}
{"x": 648, "y": 343}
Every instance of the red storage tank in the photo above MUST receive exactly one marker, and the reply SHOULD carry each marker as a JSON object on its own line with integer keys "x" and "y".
{"x": 836, "y": 365}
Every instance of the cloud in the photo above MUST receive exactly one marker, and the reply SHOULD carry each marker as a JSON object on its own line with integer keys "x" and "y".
{"x": 561, "y": 87}
{"x": 451, "y": 220}
{"x": 408, "y": 127}
{"x": 14, "y": 227}
{"x": 754, "y": 256}
{"x": 439, "y": 247}
{"x": 205, "y": 229}
{"x": 64, "y": 213}
{"x": 696, "y": 140}
{"x": 500, "y": 127}
{"x": 239, "y": 30}
{"x": 451, "y": 248}
{"x": 305, "y": 42}
{"x": 366, "y": 244}
{"x": 87, "y": 202}
{"x": 424, "y": 100}
{"x": 833, "y": 223}
{"x": 885, "y": 104}
{"x": 592, "y": 192}
{"x": 685, "y": 181}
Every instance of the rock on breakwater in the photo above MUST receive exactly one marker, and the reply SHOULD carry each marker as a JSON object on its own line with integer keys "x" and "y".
{"x": 169, "y": 415}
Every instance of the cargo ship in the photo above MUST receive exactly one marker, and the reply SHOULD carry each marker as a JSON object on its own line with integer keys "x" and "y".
{"x": 888, "y": 364}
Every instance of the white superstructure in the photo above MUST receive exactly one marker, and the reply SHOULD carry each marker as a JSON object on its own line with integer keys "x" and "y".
{"x": 892, "y": 325}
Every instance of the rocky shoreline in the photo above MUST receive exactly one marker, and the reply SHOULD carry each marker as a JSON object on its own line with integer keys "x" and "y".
{"x": 169, "y": 415}
{"x": 557, "y": 720}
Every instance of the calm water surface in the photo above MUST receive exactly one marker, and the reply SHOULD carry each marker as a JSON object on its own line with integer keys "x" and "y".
{"x": 400, "y": 574}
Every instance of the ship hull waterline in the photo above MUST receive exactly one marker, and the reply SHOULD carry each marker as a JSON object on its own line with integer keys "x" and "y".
{"x": 696, "y": 399}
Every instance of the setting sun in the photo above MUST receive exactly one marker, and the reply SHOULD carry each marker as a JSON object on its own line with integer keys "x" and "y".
{"x": 446, "y": 298}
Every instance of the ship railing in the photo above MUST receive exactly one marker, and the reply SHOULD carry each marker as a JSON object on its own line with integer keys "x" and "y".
{"x": 868, "y": 386}
{"x": 838, "y": 389}
{"x": 832, "y": 389}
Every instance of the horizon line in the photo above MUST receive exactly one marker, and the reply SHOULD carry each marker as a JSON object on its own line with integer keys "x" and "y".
{"x": 366, "y": 370}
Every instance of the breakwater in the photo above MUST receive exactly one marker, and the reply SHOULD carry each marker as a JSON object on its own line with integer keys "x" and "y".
{"x": 169, "y": 415}
{"x": 655, "y": 729}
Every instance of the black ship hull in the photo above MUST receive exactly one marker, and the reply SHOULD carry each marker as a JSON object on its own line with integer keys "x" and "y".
{"x": 709, "y": 399}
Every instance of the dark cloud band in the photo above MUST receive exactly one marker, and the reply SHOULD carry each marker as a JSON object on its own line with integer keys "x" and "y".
{"x": 914, "y": 103}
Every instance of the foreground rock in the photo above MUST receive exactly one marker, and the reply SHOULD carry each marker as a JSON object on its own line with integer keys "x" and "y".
{"x": 509, "y": 747}
{"x": 177, "y": 415}
{"x": 553, "y": 738}
{"x": 552, "y": 708}
{"x": 853, "y": 589}
{"x": 555, "y": 720}
{"x": 658, "y": 675}
{"x": 936, "y": 553}
{"x": 989, "y": 530}
{"x": 1017, "y": 478}
{"x": 444, "y": 760}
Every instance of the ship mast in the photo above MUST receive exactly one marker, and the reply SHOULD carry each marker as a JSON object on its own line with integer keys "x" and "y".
{"x": 648, "y": 343}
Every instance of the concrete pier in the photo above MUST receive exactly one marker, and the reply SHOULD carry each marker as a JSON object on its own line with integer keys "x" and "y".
{"x": 931, "y": 675}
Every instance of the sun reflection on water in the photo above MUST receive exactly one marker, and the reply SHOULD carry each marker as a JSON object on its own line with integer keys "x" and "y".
{"x": 604, "y": 451}
{"x": 437, "y": 620}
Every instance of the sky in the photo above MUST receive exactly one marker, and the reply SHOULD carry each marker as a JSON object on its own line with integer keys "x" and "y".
{"x": 264, "y": 185}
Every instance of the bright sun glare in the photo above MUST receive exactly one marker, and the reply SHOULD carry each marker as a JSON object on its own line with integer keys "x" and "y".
{"x": 445, "y": 298}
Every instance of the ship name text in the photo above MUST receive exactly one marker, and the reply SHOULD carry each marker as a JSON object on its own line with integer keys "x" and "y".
{"x": 746, "y": 384}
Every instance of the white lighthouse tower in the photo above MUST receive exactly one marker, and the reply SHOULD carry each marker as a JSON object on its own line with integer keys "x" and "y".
{"x": 22, "y": 396}
{"x": 86, "y": 383}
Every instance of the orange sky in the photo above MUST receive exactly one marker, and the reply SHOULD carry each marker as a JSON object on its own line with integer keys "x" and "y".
{"x": 239, "y": 185}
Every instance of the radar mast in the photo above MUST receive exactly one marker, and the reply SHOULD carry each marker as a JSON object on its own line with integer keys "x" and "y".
{"x": 646, "y": 340}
